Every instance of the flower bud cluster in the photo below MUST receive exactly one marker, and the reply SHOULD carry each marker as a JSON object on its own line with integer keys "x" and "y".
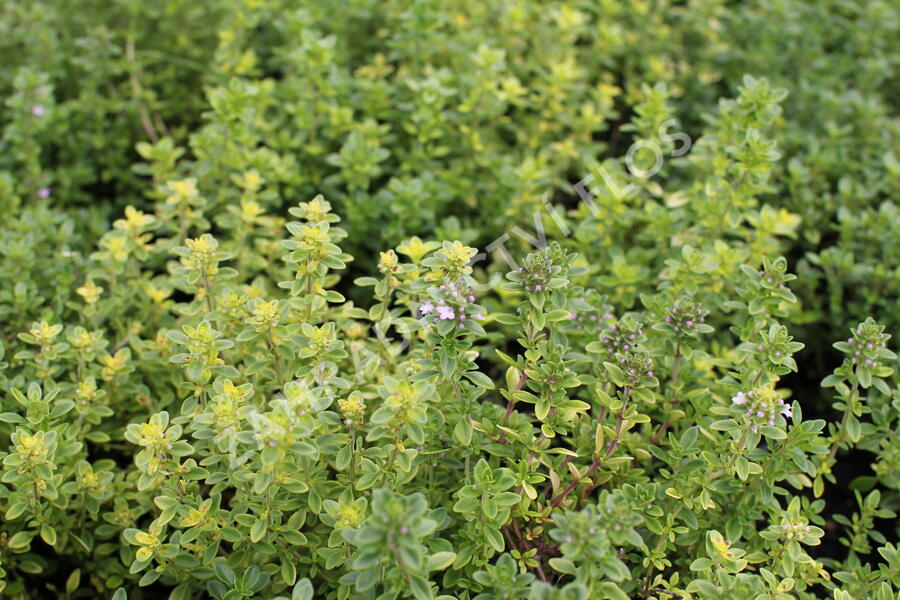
{"x": 761, "y": 407}
{"x": 685, "y": 317}
{"x": 452, "y": 301}
{"x": 866, "y": 344}
{"x": 591, "y": 321}
{"x": 622, "y": 336}
{"x": 353, "y": 409}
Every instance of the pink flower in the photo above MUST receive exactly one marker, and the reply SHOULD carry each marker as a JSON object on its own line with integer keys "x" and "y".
{"x": 739, "y": 398}
{"x": 445, "y": 312}
{"x": 44, "y": 192}
{"x": 37, "y": 110}
{"x": 787, "y": 411}
{"x": 426, "y": 308}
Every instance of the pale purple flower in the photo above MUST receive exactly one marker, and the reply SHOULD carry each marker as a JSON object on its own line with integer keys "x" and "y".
{"x": 739, "y": 398}
{"x": 426, "y": 308}
{"x": 37, "y": 110}
{"x": 44, "y": 192}
{"x": 537, "y": 287}
{"x": 787, "y": 411}
{"x": 478, "y": 317}
{"x": 445, "y": 312}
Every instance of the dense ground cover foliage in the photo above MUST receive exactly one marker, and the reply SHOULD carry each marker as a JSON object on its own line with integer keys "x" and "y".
{"x": 449, "y": 299}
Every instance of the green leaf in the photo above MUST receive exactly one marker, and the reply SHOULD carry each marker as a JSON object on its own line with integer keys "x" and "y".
{"x": 303, "y": 590}
{"x": 562, "y": 565}
{"x": 73, "y": 581}
{"x": 611, "y": 591}
{"x": 441, "y": 560}
{"x": 479, "y": 379}
{"x": 494, "y": 538}
{"x": 258, "y": 530}
{"x": 772, "y": 432}
{"x": 48, "y": 534}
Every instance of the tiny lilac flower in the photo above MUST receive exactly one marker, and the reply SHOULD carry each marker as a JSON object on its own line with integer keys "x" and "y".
{"x": 461, "y": 326}
{"x": 426, "y": 308}
{"x": 760, "y": 413}
{"x": 478, "y": 317}
{"x": 739, "y": 398}
{"x": 787, "y": 411}
{"x": 443, "y": 287}
{"x": 649, "y": 373}
{"x": 44, "y": 192}
{"x": 689, "y": 323}
{"x": 404, "y": 529}
{"x": 37, "y": 110}
{"x": 471, "y": 298}
{"x": 537, "y": 288}
{"x": 445, "y": 312}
